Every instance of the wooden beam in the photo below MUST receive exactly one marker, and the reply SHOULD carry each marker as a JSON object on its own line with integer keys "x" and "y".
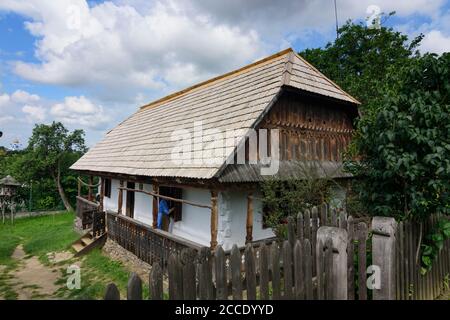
{"x": 155, "y": 205}
{"x": 120, "y": 198}
{"x": 79, "y": 187}
{"x": 102, "y": 194}
{"x": 157, "y": 195}
{"x": 249, "y": 236}
{"x": 91, "y": 182}
{"x": 214, "y": 217}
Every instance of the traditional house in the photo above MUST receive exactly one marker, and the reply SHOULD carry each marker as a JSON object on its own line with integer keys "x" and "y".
{"x": 205, "y": 149}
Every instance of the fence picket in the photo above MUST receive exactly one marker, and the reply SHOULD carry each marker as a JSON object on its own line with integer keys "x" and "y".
{"x": 236, "y": 279}
{"x": 328, "y": 267}
{"x": 134, "y": 287}
{"x": 263, "y": 272}
{"x": 276, "y": 285}
{"x": 188, "y": 274}
{"x": 111, "y": 292}
{"x": 250, "y": 274}
{"x": 350, "y": 260}
{"x": 299, "y": 270}
{"x": 287, "y": 270}
{"x": 362, "y": 239}
{"x": 156, "y": 282}
{"x": 221, "y": 275}
{"x": 308, "y": 270}
{"x": 300, "y": 234}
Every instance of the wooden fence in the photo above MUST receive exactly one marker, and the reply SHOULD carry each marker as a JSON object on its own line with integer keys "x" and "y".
{"x": 150, "y": 245}
{"x": 284, "y": 272}
{"x": 85, "y": 211}
{"x": 410, "y": 283}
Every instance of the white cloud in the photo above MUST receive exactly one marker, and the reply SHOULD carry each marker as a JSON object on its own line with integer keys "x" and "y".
{"x": 20, "y": 96}
{"x": 4, "y": 100}
{"x": 80, "y": 112}
{"x": 34, "y": 113}
{"x": 435, "y": 41}
{"x": 118, "y": 50}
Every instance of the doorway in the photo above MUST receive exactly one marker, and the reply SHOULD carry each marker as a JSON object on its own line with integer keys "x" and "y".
{"x": 130, "y": 200}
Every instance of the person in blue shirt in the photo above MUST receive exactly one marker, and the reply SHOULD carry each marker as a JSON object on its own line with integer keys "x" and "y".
{"x": 163, "y": 210}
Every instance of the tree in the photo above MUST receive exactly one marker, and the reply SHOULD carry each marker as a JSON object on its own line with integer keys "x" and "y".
{"x": 50, "y": 152}
{"x": 360, "y": 59}
{"x": 404, "y": 151}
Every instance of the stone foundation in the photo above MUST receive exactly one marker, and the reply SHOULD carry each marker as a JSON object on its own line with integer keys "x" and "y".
{"x": 132, "y": 262}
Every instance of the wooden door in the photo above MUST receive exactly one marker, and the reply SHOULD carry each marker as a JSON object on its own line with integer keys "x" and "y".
{"x": 130, "y": 200}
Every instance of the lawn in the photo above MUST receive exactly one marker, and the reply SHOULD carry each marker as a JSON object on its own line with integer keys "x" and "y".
{"x": 54, "y": 233}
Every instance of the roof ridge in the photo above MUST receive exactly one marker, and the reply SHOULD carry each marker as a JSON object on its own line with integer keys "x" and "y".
{"x": 326, "y": 78}
{"x": 215, "y": 79}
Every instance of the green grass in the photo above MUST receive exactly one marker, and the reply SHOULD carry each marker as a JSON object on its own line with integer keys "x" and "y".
{"x": 43, "y": 234}
{"x": 38, "y": 235}
{"x": 97, "y": 270}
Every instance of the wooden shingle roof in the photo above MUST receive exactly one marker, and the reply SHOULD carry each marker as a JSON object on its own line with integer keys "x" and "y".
{"x": 143, "y": 145}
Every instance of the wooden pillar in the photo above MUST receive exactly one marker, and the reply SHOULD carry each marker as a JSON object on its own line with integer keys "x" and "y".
{"x": 214, "y": 217}
{"x": 79, "y": 187}
{"x": 91, "y": 182}
{"x": 249, "y": 236}
{"x": 155, "y": 205}
{"x": 120, "y": 198}
{"x": 102, "y": 193}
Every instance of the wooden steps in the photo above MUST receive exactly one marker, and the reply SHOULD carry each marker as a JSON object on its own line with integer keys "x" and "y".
{"x": 87, "y": 242}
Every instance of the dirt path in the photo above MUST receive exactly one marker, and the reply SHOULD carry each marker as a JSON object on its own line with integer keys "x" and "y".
{"x": 31, "y": 279}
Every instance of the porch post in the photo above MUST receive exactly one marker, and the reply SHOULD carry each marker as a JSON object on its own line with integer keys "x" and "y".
{"x": 155, "y": 205}
{"x": 102, "y": 193}
{"x": 249, "y": 236}
{"x": 120, "y": 198}
{"x": 79, "y": 187}
{"x": 91, "y": 182}
{"x": 213, "y": 219}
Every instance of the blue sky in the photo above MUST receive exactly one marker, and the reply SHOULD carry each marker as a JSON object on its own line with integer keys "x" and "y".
{"x": 91, "y": 64}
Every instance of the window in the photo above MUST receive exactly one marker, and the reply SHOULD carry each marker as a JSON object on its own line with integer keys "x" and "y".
{"x": 176, "y": 193}
{"x": 107, "y": 188}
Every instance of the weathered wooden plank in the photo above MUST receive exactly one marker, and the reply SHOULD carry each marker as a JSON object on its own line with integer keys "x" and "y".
{"x": 263, "y": 272}
{"x": 291, "y": 231}
{"x": 287, "y": 271}
{"x": 276, "y": 278}
{"x": 249, "y": 221}
{"x": 221, "y": 276}
{"x": 300, "y": 234}
{"x": 328, "y": 268}
{"x": 350, "y": 260}
{"x": 320, "y": 270}
{"x": 324, "y": 215}
{"x": 250, "y": 272}
{"x": 112, "y": 293}
{"x": 299, "y": 275}
{"x": 214, "y": 217}
{"x": 134, "y": 287}
{"x": 308, "y": 270}
{"x": 188, "y": 274}
{"x": 401, "y": 271}
{"x": 314, "y": 227}
{"x": 156, "y": 282}
{"x": 307, "y": 225}
{"x": 206, "y": 289}
{"x": 362, "y": 239}
{"x": 175, "y": 289}
{"x": 236, "y": 279}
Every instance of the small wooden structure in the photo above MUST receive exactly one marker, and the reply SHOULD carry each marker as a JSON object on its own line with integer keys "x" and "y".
{"x": 8, "y": 191}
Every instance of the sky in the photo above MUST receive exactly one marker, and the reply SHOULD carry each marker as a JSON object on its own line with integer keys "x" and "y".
{"x": 91, "y": 64}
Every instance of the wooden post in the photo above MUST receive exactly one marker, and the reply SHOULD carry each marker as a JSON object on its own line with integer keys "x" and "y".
{"x": 383, "y": 256}
{"x": 339, "y": 239}
{"x": 214, "y": 217}
{"x": 102, "y": 194}
{"x": 91, "y": 182}
{"x": 120, "y": 198}
{"x": 249, "y": 236}
{"x": 155, "y": 206}
{"x": 79, "y": 187}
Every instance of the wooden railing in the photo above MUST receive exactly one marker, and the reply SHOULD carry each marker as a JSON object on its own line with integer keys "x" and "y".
{"x": 85, "y": 211}
{"x": 148, "y": 244}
